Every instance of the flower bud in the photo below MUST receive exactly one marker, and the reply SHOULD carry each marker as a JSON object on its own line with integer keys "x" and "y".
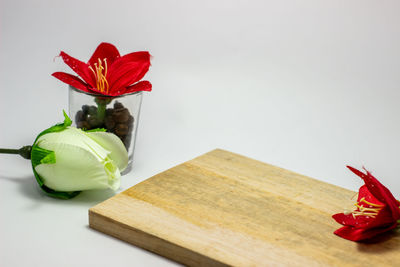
{"x": 67, "y": 160}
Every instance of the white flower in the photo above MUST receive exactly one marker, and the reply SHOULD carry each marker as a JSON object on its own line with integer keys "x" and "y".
{"x": 66, "y": 160}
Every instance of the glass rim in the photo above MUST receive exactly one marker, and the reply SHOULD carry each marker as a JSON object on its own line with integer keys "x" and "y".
{"x": 99, "y": 95}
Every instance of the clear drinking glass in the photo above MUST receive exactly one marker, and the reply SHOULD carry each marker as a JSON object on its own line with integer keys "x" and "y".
{"x": 118, "y": 115}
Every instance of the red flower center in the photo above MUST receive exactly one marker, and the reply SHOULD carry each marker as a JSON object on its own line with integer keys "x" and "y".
{"x": 366, "y": 208}
{"x": 100, "y": 75}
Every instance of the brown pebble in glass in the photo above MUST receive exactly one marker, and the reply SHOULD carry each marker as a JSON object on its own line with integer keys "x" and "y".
{"x": 109, "y": 111}
{"x": 118, "y": 105}
{"x": 92, "y": 110}
{"x": 121, "y": 129}
{"x": 93, "y": 121}
{"x": 84, "y": 125}
{"x": 80, "y": 116}
{"x": 121, "y": 115}
{"x": 85, "y": 109}
{"x": 109, "y": 123}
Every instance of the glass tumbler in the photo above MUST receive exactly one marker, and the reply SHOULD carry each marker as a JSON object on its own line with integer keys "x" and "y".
{"x": 118, "y": 115}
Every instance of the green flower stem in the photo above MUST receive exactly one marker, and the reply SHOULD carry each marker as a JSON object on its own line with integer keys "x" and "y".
{"x": 102, "y": 103}
{"x": 24, "y": 151}
{"x": 101, "y": 111}
{"x": 9, "y": 151}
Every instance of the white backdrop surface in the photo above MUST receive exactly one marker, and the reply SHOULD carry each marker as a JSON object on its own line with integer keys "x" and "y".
{"x": 310, "y": 86}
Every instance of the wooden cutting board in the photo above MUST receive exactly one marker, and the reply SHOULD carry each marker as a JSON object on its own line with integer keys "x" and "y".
{"x": 225, "y": 209}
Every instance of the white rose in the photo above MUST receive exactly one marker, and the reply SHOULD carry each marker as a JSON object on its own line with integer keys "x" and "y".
{"x": 67, "y": 160}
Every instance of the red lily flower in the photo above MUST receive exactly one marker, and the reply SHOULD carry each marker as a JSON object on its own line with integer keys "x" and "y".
{"x": 377, "y": 211}
{"x": 108, "y": 73}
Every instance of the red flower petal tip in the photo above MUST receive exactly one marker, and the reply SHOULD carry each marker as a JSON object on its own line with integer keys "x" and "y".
{"x": 108, "y": 73}
{"x": 376, "y": 211}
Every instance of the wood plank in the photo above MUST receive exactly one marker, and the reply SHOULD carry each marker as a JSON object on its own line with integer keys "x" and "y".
{"x": 225, "y": 209}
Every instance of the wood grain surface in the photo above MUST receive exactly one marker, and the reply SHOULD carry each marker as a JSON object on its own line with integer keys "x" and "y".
{"x": 226, "y": 209}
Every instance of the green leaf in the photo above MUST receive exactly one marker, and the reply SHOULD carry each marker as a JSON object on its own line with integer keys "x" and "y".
{"x": 42, "y": 156}
{"x": 96, "y": 130}
{"x": 67, "y": 120}
{"x": 58, "y": 194}
{"x": 49, "y": 159}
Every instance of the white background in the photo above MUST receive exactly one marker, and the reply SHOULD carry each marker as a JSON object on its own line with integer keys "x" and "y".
{"x": 306, "y": 85}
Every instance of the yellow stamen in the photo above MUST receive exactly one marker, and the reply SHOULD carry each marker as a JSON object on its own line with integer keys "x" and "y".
{"x": 90, "y": 67}
{"x": 105, "y": 64}
{"x": 100, "y": 74}
{"x": 371, "y": 211}
{"x": 371, "y": 204}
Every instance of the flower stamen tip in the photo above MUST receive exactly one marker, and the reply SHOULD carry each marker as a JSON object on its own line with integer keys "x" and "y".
{"x": 100, "y": 73}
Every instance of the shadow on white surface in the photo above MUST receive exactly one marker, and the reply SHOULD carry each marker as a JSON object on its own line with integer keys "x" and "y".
{"x": 27, "y": 187}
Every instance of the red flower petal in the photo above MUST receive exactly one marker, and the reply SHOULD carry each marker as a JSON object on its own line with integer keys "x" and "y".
{"x": 358, "y": 234}
{"x": 80, "y": 68}
{"x": 97, "y": 91}
{"x": 104, "y": 50}
{"x": 345, "y": 219}
{"x": 127, "y": 70}
{"x": 140, "y": 86}
{"x": 379, "y": 191}
{"x": 135, "y": 57}
{"x": 72, "y": 80}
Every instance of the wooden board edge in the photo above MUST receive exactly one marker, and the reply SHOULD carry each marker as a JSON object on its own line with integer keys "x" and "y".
{"x": 144, "y": 240}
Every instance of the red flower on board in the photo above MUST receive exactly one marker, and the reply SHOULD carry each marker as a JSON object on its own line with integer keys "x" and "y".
{"x": 376, "y": 211}
{"x": 108, "y": 73}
